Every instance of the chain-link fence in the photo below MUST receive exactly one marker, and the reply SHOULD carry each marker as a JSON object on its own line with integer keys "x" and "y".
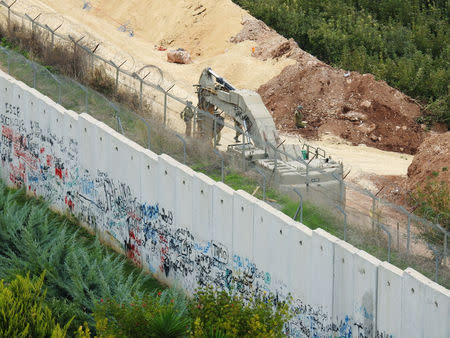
{"x": 359, "y": 216}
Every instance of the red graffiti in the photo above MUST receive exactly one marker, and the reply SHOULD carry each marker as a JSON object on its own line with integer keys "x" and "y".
{"x": 58, "y": 172}
{"x": 17, "y": 174}
{"x": 69, "y": 203}
{"x": 42, "y": 150}
{"x": 132, "y": 248}
{"x": 7, "y": 132}
{"x": 49, "y": 160}
{"x": 133, "y": 216}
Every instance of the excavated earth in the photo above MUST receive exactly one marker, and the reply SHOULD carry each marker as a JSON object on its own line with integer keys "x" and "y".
{"x": 353, "y": 106}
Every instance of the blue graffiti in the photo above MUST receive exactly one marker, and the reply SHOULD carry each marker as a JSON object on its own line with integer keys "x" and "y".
{"x": 87, "y": 187}
{"x": 201, "y": 248}
{"x": 33, "y": 179}
{"x": 149, "y": 212}
{"x": 365, "y": 313}
{"x": 345, "y": 329}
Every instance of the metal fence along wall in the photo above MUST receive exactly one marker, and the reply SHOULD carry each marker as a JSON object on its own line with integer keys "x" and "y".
{"x": 191, "y": 231}
{"x": 401, "y": 243}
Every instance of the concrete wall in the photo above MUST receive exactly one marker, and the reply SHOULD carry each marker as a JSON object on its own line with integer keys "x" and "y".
{"x": 191, "y": 231}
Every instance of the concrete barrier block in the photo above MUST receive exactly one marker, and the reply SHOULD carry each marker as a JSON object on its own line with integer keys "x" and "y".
{"x": 223, "y": 219}
{"x": 243, "y": 205}
{"x": 149, "y": 178}
{"x": 122, "y": 160}
{"x": 436, "y": 309}
{"x": 270, "y": 250}
{"x": 298, "y": 241}
{"x": 184, "y": 192}
{"x": 90, "y": 159}
{"x": 365, "y": 293}
{"x": 343, "y": 301}
{"x": 167, "y": 173}
{"x": 203, "y": 206}
{"x": 419, "y": 298}
{"x": 389, "y": 301}
{"x": 321, "y": 298}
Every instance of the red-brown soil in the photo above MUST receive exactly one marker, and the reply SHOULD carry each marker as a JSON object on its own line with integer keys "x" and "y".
{"x": 433, "y": 155}
{"x": 353, "y": 106}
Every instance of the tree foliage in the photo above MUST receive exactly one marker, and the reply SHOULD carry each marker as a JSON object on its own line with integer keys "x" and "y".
{"x": 404, "y": 42}
{"x": 23, "y": 311}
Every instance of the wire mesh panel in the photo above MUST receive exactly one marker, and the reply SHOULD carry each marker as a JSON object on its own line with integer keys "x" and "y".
{"x": 48, "y": 84}
{"x": 22, "y": 69}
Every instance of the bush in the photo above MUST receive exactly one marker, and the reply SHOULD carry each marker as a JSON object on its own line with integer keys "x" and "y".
{"x": 432, "y": 201}
{"x": 162, "y": 314}
{"x": 219, "y": 314}
{"x": 23, "y": 312}
{"x": 79, "y": 269}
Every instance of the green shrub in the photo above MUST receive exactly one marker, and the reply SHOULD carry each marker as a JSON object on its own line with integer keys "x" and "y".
{"x": 23, "y": 312}
{"x": 79, "y": 269}
{"x": 218, "y": 314}
{"x": 432, "y": 201}
{"x": 162, "y": 314}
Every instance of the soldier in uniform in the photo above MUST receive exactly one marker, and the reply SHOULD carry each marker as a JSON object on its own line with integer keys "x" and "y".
{"x": 187, "y": 114}
{"x": 299, "y": 117}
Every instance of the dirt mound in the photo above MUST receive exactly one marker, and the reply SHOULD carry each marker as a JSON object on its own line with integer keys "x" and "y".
{"x": 350, "y": 105}
{"x": 433, "y": 155}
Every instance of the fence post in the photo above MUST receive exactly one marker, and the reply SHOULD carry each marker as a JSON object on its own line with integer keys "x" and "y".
{"x": 214, "y": 131}
{"x": 117, "y": 67}
{"x": 384, "y": 228}
{"x": 32, "y": 21}
{"x": 300, "y": 206}
{"x": 373, "y": 212}
{"x": 165, "y": 108}
{"x": 9, "y": 11}
{"x": 184, "y": 146}
{"x": 264, "y": 182}
{"x": 52, "y": 32}
{"x": 436, "y": 258}
{"x": 345, "y": 220}
{"x": 445, "y": 246}
{"x": 119, "y": 125}
{"x": 408, "y": 236}
{"x": 221, "y": 160}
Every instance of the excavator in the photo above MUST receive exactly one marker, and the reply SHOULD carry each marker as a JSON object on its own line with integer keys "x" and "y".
{"x": 287, "y": 166}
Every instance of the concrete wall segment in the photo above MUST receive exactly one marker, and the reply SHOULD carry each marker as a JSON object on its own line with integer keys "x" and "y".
{"x": 202, "y": 195}
{"x": 365, "y": 293}
{"x": 223, "y": 215}
{"x": 243, "y": 205}
{"x": 343, "y": 297}
{"x": 389, "y": 300}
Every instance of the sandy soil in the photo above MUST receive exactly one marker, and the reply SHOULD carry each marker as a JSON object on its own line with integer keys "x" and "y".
{"x": 205, "y": 28}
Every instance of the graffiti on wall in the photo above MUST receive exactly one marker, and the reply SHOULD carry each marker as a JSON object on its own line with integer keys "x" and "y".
{"x": 47, "y": 163}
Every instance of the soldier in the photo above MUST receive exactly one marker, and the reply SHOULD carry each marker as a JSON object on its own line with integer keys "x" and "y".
{"x": 187, "y": 114}
{"x": 299, "y": 117}
{"x": 237, "y": 125}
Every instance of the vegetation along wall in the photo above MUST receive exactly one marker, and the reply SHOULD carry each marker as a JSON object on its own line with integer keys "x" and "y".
{"x": 191, "y": 231}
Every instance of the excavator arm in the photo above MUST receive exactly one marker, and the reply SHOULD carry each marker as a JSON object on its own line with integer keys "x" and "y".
{"x": 243, "y": 105}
